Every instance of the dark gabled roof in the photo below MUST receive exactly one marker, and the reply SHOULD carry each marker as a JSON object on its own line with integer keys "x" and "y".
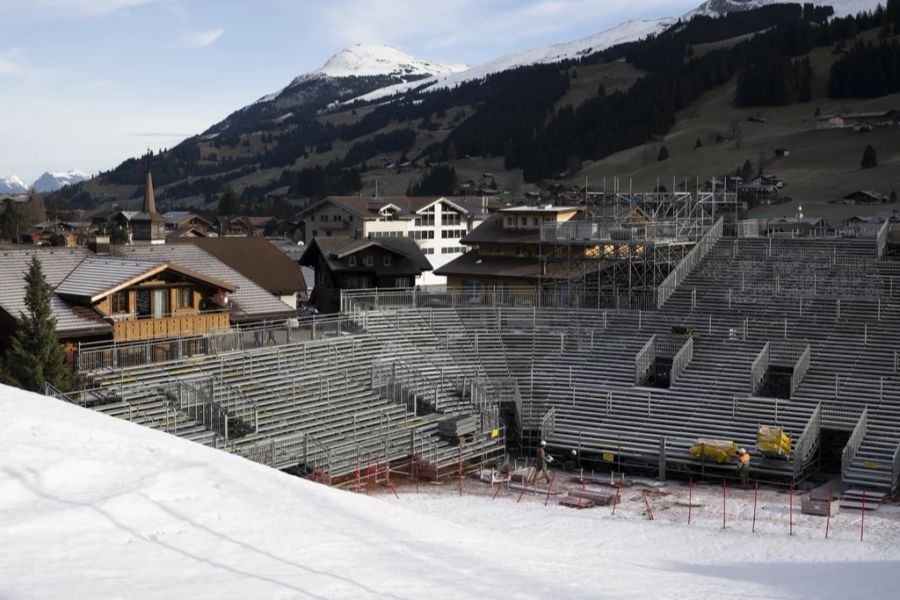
{"x": 491, "y": 231}
{"x": 473, "y": 264}
{"x": 257, "y": 259}
{"x": 175, "y": 218}
{"x": 333, "y": 249}
{"x": 367, "y": 207}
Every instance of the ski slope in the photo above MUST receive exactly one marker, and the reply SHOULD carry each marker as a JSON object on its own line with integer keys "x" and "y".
{"x": 94, "y": 507}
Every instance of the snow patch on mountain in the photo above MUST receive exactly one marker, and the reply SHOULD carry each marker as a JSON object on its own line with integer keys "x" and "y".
{"x": 372, "y": 60}
{"x": 12, "y": 185}
{"x": 842, "y": 8}
{"x": 629, "y": 31}
{"x": 51, "y": 181}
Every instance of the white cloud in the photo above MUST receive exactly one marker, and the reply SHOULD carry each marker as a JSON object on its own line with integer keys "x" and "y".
{"x": 12, "y": 63}
{"x": 199, "y": 39}
{"x": 88, "y": 7}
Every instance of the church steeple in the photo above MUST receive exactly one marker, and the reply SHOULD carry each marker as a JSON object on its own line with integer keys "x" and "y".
{"x": 149, "y": 200}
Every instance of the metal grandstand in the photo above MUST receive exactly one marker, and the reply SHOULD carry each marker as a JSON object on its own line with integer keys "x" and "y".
{"x": 625, "y": 388}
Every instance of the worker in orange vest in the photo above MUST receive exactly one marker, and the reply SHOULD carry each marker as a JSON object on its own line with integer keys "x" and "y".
{"x": 743, "y": 466}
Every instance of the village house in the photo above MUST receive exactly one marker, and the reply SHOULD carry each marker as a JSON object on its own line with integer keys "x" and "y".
{"x": 505, "y": 250}
{"x": 877, "y": 118}
{"x": 140, "y": 292}
{"x": 437, "y": 224}
{"x": 345, "y": 263}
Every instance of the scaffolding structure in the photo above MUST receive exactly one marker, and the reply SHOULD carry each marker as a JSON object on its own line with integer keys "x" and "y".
{"x": 627, "y": 244}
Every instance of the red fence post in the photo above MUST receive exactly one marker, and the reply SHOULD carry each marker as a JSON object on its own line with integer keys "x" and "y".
{"x": 791, "y": 511}
{"x": 647, "y": 505}
{"x": 616, "y": 500}
{"x": 357, "y": 473}
{"x": 755, "y": 496}
{"x": 690, "y": 497}
{"x": 862, "y": 522}
{"x": 724, "y": 501}
{"x": 828, "y": 520}
{"x": 459, "y": 474}
{"x": 368, "y": 473}
{"x": 416, "y": 467}
{"x": 387, "y": 478}
{"x": 524, "y": 487}
{"x": 581, "y": 495}
{"x": 497, "y": 491}
{"x": 550, "y": 487}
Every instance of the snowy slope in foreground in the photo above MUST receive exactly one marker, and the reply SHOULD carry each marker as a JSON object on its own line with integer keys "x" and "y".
{"x": 93, "y": 507}
{"x": 842, "y": 8}
{"x": 626, "y": 32}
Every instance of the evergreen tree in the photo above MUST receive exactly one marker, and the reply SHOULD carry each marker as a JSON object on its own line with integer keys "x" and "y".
{"x": 869, "y": 158}
{"x": 35, "y": 355}
{"x": 698, "y": 144}
{"x": 893, "y": 195}
{"x": 229, "y": 203}
{"x": 10, "y": 223}
{"x": 663, "y": 154}
{"x": 746, "y": 171}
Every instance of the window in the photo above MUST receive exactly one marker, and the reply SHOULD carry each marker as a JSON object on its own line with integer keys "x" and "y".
{"x": 368, "y": 261}
{"x": 510, "y": 222}
{"x": 536, "y": 221}
{"x": 351, "y": 261}
{"x": 336, "y": 218}
{"x": 387, "y": 261}
{"x": 185, "y": 297}
{"x": 315, "y": 233}
{"x": 323, "y": 218}
{"x": 520, "y": 251}
{"x": 427, "y": 250}
{"x": 449, "y": 219}
{"x": 523, "y": 221}
{"x": 120, "y": 303}
{"x": 425, "y": 220}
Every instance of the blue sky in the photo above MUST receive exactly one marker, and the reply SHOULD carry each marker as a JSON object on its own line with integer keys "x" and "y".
{"x": 88, "y": 83}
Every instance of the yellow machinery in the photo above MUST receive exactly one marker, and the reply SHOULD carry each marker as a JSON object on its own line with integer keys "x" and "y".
{"x": 773, "y": 441}
{"x": 720, "y": 451}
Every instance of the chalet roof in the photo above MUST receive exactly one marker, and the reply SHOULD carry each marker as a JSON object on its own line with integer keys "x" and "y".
{"x": 57, "y": 263}
{"x": 333, "y": 249}
{"x": 175, "y": 217}
{"x": 491, "y": 231}
{"x": 367, "y": 207}
{"x": 257, "y": 259}
{"x": 97, "y": 277}
{"x": 472, "y": 263}
{"x": 249, "y": 301}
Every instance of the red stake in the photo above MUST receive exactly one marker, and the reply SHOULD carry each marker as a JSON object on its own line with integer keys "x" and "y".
{"x": 497, "y": 491}
{"x": 581, "y": 495}
{"x": 368, "y": 473}
{"x": 828, "y": 520}
{"x": 862, "y": 522}
{"x": 550, "y": 488}
{"x": 357, "y": 473}
{"x": 460, "y": 472}
{"x": 690, "y": 497}
{"x": 647, "y": 504}
{"x": 416, "y": 468}
{"x": 616, "y": 500}
{"x": 755, "y": 496}
{"x": 724, "y": 499}
{"x": 791, "y": 511}
{"x": 387, "y": 477}
{"x": 524, "y": 487}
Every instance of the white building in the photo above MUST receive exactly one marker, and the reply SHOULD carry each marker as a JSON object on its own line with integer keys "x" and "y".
{"x": 436, "y": 223}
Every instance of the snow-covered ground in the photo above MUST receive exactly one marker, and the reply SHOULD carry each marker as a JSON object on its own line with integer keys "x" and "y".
{"x": 94, "y": 507}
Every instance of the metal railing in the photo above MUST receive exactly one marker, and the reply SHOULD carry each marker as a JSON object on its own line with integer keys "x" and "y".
{"x": 96, "y": 356}
{"x": 855, "y": 441}
{"x": 689, "y": 263}
{"x": 356, "y": 302}
{"x": 759, "y": 368}
{"x": 882, "y": 238}
{"x": 806, "y": 445}
{"x": 548, "y": 423}
{"x": 800, "y": 369}
{"x": 681, "y": 360}
{"x": 644, "y": 361}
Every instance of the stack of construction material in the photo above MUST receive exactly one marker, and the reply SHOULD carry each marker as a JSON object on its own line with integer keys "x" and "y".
{"x": 773, "y": 441}
{"x": 720, "y": 451}
{"x": 458, "y": 426}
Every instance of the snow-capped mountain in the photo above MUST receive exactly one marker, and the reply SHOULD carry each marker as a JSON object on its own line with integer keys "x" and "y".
{"x": 12, "y": 185}
{"x": 629, "y": 31}
{"x": 842, "y": 8}
{"x": 352, "y": 72}
{"x": 51, "y": 181}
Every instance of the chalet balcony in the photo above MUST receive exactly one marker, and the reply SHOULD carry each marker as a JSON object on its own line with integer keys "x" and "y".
{"x": 148, "y": 328}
